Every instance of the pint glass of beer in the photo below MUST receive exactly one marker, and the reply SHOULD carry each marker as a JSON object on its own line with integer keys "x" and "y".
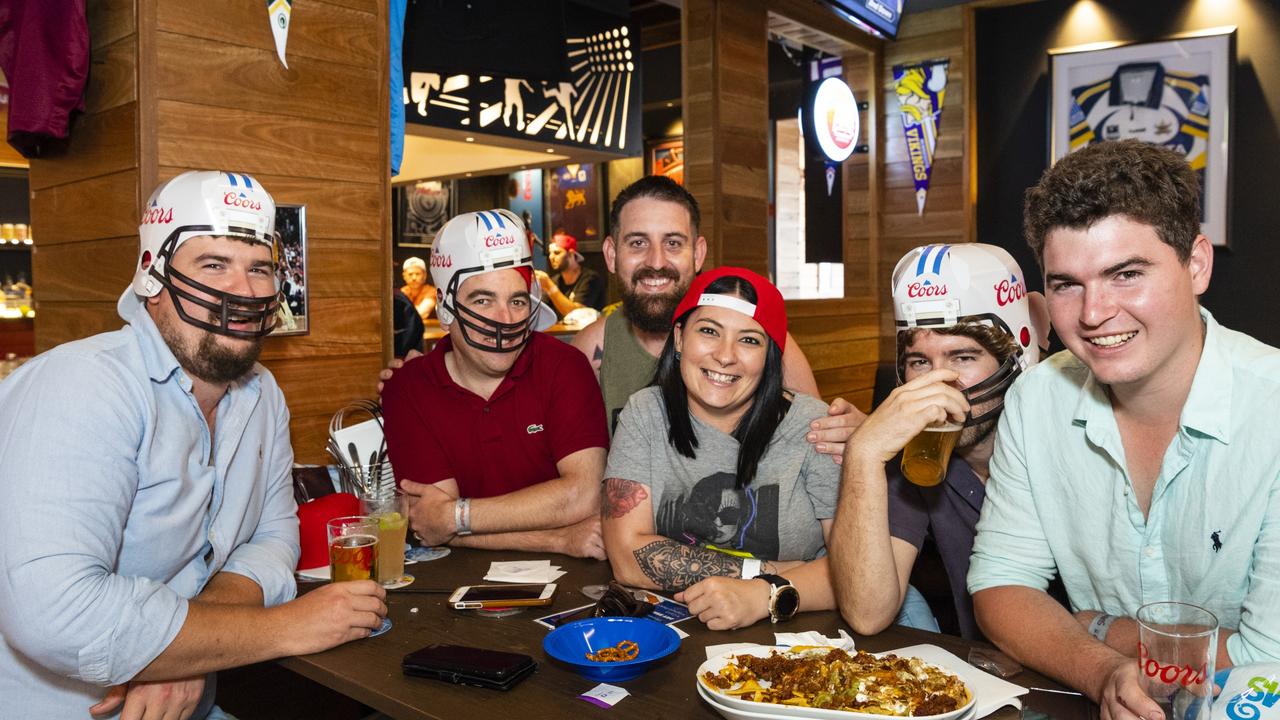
{"x": 925, "y": 458}
{"x": 353, "y": 548}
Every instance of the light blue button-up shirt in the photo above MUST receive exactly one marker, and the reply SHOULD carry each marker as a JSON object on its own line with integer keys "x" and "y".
{"x": 117, "y": 506}
{"x": 1060, "y": 496}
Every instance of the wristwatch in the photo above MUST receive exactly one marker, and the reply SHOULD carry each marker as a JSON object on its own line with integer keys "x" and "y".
{"x": 784, "y": 599}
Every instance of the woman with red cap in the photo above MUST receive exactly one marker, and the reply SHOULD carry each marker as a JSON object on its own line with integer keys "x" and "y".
{"x": 711, "y": 489}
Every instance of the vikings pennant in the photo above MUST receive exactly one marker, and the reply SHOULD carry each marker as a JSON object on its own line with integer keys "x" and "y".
{"x": 278, "y": 12}
{"x": 920, "y": 90}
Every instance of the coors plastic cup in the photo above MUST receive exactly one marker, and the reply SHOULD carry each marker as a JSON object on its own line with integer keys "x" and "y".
{"x": 1177, "y": 647}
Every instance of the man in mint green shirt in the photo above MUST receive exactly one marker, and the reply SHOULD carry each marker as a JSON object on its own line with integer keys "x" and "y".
{"x": 1142, "y": 464}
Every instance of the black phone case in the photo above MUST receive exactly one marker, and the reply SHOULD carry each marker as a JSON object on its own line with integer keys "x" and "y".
{"x": 463, "y": 665}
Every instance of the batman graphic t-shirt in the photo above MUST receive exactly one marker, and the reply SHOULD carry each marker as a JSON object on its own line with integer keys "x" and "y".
{"x": 697, "y": 501}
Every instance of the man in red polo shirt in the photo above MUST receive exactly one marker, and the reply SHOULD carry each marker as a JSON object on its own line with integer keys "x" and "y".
{"x": 497, "y": 435}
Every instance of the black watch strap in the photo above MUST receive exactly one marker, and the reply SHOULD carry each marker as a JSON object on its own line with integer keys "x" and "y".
{"x": 776, "y": 581}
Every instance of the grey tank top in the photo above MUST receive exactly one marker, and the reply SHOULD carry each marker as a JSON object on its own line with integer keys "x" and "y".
{"x": 625, "y": 367}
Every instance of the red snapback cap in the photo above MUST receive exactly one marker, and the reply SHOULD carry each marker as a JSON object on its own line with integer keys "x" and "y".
{"x": 769, "y": 309}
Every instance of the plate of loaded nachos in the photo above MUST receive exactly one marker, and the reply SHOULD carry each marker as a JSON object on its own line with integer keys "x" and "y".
{"x": 825, "y": 682}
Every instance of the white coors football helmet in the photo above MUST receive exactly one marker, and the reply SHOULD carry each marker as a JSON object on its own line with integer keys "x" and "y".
{"x": 942, "y": 286}
{"x": 207, "y": 202}
{"x": 481, "y": 242}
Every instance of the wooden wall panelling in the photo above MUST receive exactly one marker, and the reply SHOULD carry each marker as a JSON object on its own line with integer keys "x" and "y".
{"x": 348, "y": 33}
{"x": 186, "y": 84}
{"x": 93, "y": 270}
{"x": 726, "y": 116}
{"x": 109, "y": 21}
{"x": 948, "y": 211}
{"x": 101, "y": 143}
{"x": 89, "y": 209}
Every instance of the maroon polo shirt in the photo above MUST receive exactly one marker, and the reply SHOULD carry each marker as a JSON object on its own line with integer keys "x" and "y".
{"x": 546, "y": 408}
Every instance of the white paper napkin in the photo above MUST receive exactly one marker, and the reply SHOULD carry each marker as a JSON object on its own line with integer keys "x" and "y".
{"x": 990, "y": 692}
{"x": 811, "y": 637}
{"x": 524, "y": 571}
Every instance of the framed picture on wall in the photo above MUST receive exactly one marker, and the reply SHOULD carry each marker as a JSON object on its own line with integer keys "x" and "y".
{"x": 422, "y": 208}
{"x": 1174, "y": 92}
{"x": 291, "y": 271}
{"x": 573, "y": 204}
{"x": 666, "y": 158}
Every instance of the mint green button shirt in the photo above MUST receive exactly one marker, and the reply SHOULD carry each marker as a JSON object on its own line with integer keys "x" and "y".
{"x": 1059, "y": 497}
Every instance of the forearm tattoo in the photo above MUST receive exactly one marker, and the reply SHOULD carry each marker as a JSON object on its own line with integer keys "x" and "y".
{"x": 622, "y": 496}
{"x": 675, "y": 566}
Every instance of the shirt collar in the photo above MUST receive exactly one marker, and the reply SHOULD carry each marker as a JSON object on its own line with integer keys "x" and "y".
{"x": 1204, "y": 411}
{"x": 159, "y": 359}
{"x": 1208, "y": 406}
{"x": 440, "y": 372}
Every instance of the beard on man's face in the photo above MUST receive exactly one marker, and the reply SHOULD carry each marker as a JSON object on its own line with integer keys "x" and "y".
{"x": 647, "y": 311}
{"x": 210, "y": 360}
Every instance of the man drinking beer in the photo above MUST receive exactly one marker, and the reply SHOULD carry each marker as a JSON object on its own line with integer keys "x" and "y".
{"x": 965, "y": 331}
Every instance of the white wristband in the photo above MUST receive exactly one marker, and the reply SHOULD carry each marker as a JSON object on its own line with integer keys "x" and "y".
{"x": 1100, "y": 625}
{"x": 750, "y": 568}
{"x": 462, "y": 517}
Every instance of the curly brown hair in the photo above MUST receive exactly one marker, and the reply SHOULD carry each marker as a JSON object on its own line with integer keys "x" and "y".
{"x": 993, "y": 340}
{"x": 1148, "y": 183}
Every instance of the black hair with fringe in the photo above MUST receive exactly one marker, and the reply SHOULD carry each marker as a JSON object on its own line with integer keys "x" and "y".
{"x": 769, "y": 404}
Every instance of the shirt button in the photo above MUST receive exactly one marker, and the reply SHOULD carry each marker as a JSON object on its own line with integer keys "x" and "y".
{"x": 1149, "y": 551}
{"x": 486, "y": 408}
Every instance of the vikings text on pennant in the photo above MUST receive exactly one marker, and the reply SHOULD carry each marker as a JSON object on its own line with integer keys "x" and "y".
{"x": 921, "y": 87}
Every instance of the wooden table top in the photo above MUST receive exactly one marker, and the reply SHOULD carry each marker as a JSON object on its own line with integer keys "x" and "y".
{"x": 369, "y": 670}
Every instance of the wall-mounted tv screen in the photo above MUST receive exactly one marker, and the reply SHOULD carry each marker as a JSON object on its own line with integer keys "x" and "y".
{"x": 879, "y": 17}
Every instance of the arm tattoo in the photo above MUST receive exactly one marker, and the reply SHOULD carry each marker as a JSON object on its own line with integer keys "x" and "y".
{"x": 597, "y": 356}
{"x": 622, "y": 496}
{"x": 675, "y": 566}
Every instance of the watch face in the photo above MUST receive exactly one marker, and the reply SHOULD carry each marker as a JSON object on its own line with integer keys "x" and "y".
{"x": 787, "y": 602}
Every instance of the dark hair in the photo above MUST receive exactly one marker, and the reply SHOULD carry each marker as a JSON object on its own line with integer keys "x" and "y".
{"x": 768, "y": 404}
{"x": 1148, "y": 183}
{"x": 657, "y": 187}
{"x": 993, "y": 340}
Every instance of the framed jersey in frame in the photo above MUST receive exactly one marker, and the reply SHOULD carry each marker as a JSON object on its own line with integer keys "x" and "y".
{"x": 1174, "y": 92}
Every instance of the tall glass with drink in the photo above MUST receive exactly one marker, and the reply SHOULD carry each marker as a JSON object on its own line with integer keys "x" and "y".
{"x": 353, "y": 548}
{"x": 1177, "y": 650}
{"x": 389, "y": 507}
{"x": 925, "y": 458}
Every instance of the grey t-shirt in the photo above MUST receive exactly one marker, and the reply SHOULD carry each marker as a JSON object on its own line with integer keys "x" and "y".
{"x": 696, "y": 501}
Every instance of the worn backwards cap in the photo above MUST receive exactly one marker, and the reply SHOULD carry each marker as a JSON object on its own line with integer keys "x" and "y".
{"x": 569, "y": 244}
{"x": 769, "y": 309}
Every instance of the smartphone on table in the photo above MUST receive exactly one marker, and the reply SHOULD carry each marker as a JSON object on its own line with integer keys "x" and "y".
{"x": 463, "y": 665}
{"x": 475, "y": 597}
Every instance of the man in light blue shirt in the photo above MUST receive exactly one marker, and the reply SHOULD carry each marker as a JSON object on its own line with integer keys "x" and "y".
{"x": 1141, "y": 464}
{"x": 147, "y": 525}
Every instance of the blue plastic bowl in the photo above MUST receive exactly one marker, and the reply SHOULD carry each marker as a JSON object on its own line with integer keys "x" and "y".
{"x": 570, "y": 644}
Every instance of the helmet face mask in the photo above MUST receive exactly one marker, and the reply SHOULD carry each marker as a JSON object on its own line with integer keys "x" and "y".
{"x": 480, "y": 242}
{"x": 505, "y": 337}
{"x": 947, "y": 286}
{"x": 213, "y": 204}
